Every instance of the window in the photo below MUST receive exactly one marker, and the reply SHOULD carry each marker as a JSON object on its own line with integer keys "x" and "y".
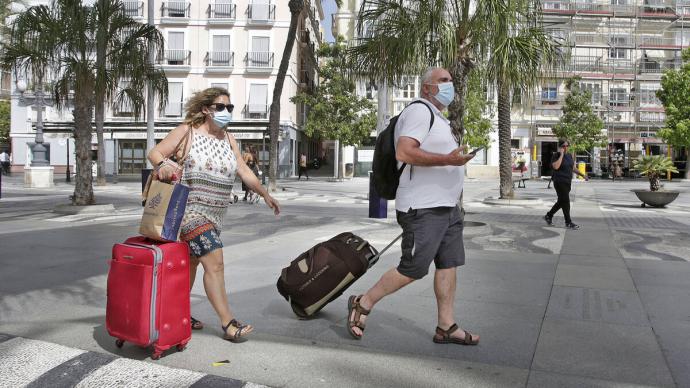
{"x": 260, "y": 55}
{"x": 260, "y": 10}
{"x": 407, "y": 89}
{"x": 223, "y": 9}
{"x": 175, "y": 99}
{"x": 132, "y": 156}
{"x": 176, "y": 54}
{"x": 221, "y": 55}
{"x": 618, "y": 97}
{"x": 132, "y": 8}
{"x": 549, "y": 95}
{"x": 177, "y": 9}
{"x": 221, "y": 85}
{"x": 615, "y": 52}
{"x": 371, "y": 92}
{"x": 648, "y": 95}
{"x": 593, "y": 88}
{"x": 258, "y": 101}
{"x": 126, "y": 107}
{"x": 514, "y": 143}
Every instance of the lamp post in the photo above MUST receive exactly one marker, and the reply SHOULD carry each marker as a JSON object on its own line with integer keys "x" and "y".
{"x": 38, "y": 149}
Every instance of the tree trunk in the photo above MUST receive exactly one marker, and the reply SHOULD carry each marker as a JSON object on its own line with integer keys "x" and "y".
{"x": 653, "y": 182}
{"x": 456, "y": 110}
{"x": 83, "y": 188}
{"x": 504, "y": 136}
{"x": 100, "y": 118}
{"x": 296, "y": 7}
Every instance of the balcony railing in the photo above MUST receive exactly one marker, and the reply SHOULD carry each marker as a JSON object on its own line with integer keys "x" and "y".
{"x": 172, "y": 109}
{"x": 222, "y": 11}
{"x": 176, "y": 57}
{"x": 256, "y": 111}
{"x": 659, "y": 8}
{"x": 258, "y": 13}
{"x": 175, "y": 9}
{"x": 220, "y": 58}
{"x": 652, "y": 117}
{"x": 659, "y": 42}
{"x": 259, "y": 60}
{"x": 658, "y": 67}
{"x": 133, "y": 9}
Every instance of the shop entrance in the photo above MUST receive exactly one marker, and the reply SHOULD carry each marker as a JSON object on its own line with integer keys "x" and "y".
{"x": 548, "y": 148}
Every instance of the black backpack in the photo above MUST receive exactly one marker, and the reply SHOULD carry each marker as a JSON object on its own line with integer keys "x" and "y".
{"x": 386, "y": 174}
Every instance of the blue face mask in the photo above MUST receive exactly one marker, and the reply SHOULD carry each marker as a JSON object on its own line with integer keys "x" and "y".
{"x": 446, "y": 93}
{"x": 222, "y": 118}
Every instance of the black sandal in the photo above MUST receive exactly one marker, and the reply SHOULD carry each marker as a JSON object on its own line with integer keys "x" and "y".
{"x": 241, "y": 331}
{"x": 197, "y": 324}
{"x": 445, "y": 336}
{"x": 353, "y": 306}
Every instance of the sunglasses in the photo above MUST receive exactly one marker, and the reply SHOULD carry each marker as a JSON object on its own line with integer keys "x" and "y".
{"x": 220, "y": 107}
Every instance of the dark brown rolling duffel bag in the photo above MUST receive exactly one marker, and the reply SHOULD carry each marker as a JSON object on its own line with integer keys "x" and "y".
{"x": 325, "y": 271}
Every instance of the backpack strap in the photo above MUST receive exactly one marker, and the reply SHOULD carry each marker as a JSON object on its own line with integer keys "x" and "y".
{"x": 431, "y": 124}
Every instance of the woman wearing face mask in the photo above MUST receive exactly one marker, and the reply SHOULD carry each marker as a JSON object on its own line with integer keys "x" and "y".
{"x": 213, "y": 159}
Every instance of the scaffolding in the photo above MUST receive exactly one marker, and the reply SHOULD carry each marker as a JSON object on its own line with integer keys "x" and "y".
{"x": 619, "y": 49}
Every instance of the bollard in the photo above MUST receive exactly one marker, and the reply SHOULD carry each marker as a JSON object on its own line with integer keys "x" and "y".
{"x": 582, "y": 167}
{"x": 378, "y": 207}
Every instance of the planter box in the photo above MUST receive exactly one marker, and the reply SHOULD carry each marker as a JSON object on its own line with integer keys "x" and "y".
{"x": 655, "y": 198}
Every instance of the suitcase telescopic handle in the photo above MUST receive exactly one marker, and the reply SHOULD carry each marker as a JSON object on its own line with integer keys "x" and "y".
{"x": 376, "y": 258}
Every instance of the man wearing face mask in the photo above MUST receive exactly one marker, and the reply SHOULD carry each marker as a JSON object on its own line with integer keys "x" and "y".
{"x": 212, "y": 161}
{"x": 427, "y": 211}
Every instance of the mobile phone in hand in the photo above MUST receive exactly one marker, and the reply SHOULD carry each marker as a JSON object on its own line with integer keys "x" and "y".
{"x": 474, "y": 151}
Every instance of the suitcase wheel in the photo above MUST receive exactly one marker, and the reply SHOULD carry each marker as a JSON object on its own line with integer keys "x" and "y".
{"x": 299, "y": 311}
{"x": 156, "y": 355}
{"x": 119, "y": 343}
{"x": 181, "y": 348}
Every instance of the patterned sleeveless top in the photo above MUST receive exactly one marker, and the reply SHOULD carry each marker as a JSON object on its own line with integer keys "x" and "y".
{"x": 209, "y": 171}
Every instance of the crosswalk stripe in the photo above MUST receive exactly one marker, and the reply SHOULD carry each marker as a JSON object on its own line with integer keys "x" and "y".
{"x": 24, "y": 360}
{"x": 124, "y": 372}
{"x": 72, "y": 371}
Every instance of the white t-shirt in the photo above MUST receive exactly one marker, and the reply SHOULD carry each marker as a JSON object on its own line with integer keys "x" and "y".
{"x": 429, "y": 186}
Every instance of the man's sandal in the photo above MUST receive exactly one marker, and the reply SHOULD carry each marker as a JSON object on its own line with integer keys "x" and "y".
{"x": 197, "y": 324}
{"x": 353, "y": 305}
{"x": 241, "y": 331}
{"x": 444, "y": 336}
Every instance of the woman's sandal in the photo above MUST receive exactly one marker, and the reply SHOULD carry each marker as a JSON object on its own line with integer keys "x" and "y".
{"x": 446, "y": 338}
{"x": 197, "y": 324}
{"x": 241, "y": 331}
{"x": 353, "y": 305}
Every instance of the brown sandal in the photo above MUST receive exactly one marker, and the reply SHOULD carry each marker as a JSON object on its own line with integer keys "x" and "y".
{"x": 354, "y": 306}
{"x": 447, "y": 339}
{"x": 241, "y": 331}
{"x": 197, "y": 324}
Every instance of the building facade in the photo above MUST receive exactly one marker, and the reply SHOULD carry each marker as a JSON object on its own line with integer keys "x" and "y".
{"x": 234, "y": 44}
{"x": 619, "y": 49}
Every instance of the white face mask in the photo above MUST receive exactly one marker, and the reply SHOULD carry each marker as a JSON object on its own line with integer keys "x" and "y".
{"x": 222, "y": 118}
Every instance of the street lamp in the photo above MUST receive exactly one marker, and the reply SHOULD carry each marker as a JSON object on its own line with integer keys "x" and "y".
{"x": 38, "y": 149}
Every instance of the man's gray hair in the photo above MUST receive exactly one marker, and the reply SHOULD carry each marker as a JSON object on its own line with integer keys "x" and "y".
{"x": 428, "y": 75}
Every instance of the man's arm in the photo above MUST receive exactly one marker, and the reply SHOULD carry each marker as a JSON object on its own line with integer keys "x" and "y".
{"x": 408, "y": 151}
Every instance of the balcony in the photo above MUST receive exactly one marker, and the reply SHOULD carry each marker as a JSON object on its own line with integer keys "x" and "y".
{"x": 658, "y": 42}
{"x": 133, "y": 9}
{"x": 255, "y": 112}
{"x": 259, "y": 62}
{"x": 657, "y": 9}
{"x": 220, "y": 61}
{"x": 261, "y": 14}
{"x": 175, "y": 12}
{"x": 222, "y": 13}
{"x": 651, "y": 117}
{"x": 176, "y": 60}
{"x": 657, "y": 67}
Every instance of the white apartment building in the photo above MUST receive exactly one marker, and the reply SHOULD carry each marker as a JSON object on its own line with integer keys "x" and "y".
{"x": 619, "y": 48}
{"x": 234, "y": 44}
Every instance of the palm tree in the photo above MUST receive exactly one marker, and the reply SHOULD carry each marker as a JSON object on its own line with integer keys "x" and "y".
{"x": 60, "y": 41}
{"x": 520, "y": 53}
{"x": 397, "y": 39}
{"x": 122, "y": 69}
{"x": 296, "y": 7}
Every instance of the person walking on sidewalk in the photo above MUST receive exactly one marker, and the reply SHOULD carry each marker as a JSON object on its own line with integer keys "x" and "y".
{"x": 5, "y": 162}
{"x": 302, "y": 166}
{"x": 213, "y": 159}
{"x": 563, "y": 168}
{"x": 426, "y": 207}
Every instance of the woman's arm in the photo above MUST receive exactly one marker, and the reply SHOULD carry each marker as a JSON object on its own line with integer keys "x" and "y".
{"x": 249, "y": 179}
{"x": 557, "y": 164}
{"x": 164, "y": 150}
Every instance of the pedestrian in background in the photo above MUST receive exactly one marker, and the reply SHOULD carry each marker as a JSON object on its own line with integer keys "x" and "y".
{"x": 563, "y": 167}
{"x": 213, "y": 160}
{"x": 426, "y": 206}
{"x": 303, "y": 166}
{"x": 5, "y": 162}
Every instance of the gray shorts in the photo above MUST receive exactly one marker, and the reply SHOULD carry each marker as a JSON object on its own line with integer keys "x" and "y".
{"x": 433, "y": 234}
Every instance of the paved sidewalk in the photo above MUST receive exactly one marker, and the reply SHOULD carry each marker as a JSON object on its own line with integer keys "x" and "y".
{"x": 604, "y": 306}
{"x": 40, "y": 364}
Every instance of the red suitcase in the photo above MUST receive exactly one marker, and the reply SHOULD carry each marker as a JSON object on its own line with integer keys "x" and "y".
{"x": 148, "y": 295}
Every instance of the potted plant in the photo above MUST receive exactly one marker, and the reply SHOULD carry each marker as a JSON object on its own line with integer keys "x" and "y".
{"x": 653, "y": 166}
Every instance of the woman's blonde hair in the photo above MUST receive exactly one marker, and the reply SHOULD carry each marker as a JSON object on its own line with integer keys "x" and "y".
{"x": 199, "y": 100}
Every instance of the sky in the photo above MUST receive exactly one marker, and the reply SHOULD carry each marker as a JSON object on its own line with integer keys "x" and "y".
{"x": 328, "y": 9}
